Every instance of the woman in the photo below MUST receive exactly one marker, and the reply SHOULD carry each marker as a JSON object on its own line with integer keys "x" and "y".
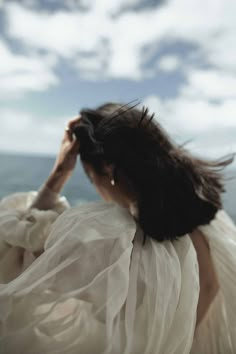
{"x": 151, "y": 269}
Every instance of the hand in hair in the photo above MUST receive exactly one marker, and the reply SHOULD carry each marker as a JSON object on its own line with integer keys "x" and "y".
{"x": 66, "y": 158}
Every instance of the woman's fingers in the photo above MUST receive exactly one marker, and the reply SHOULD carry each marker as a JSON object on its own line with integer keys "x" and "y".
{"x": 72, "y": 123}
{"x": 69, "y": 138}
{"x": 68, "y": 135}
{"x": 69, "y": 128}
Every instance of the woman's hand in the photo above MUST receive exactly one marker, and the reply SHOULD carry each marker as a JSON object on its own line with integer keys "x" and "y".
{"x": 66, "y": 159}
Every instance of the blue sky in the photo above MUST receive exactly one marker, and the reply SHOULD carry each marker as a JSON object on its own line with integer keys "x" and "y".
{"x": 178, "y": 57}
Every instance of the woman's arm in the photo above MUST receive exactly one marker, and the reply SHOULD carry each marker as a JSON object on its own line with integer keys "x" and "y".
{"x": 48, "y": 194}
{"x": 25, "y": 229}
{"x": 209, "y": 285}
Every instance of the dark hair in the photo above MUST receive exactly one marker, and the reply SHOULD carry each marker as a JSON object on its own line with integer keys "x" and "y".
{"x": 176, "y": 191}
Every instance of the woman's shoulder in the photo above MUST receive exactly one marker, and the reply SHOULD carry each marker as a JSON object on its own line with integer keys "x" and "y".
{"x": 101, "y": 210}
{"x": 93, "y": 220}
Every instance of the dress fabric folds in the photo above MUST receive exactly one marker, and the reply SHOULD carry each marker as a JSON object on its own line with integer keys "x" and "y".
{"x": 97, "y": 289}
{"x": 216, "y": 334}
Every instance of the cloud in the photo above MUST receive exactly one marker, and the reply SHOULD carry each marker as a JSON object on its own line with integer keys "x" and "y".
{"x": 72, "y": 34}
{"x": 210, "y": 26}
{"x": 22, "y": 132}
{"x": 210, "y": 84}
{"x": 193, "y": 116}
{"x": 24, "y": 73}
{"x": 210, "y": 127}
{"x": 64, "y": 33}
{"x": 169, "y": 63}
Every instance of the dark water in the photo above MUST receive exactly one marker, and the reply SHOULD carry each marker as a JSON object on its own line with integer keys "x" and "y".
{"x": 25, "y": 173}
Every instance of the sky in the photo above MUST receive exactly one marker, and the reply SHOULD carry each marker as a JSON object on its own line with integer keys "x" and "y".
{"x": 177, "y": 57}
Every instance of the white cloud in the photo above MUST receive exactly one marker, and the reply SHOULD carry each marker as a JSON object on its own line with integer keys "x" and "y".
{"x": 23, "y": 133}
{"x": 208, "y": 24}
{"x": 211, "y": 84}
{"x": 70, "y": 34}
{"x": 193, "y": 115}
{"x": 24, "y": 73}
{"x": 168, "y": 63}
{"x": 64, "y": 33}
{"x": 211, "y": 126}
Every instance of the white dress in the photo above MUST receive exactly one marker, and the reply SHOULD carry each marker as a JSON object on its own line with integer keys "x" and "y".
{"x": 97, "y": 289}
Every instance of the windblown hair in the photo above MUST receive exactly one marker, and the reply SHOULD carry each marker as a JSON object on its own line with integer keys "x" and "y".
{"x": 176, "y": 191}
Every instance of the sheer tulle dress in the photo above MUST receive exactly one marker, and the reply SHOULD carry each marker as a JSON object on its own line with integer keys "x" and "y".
{"x": 97, "y": 289}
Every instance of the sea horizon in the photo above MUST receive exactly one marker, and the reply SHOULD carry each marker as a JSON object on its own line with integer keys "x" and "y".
{"x": 26, "y": 172}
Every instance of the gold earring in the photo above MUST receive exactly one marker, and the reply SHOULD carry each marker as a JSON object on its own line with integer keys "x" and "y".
{"x": 112, "y": 182}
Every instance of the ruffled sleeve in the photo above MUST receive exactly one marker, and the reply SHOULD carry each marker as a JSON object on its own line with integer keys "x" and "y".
{"x": 24, "y": 229}
{"x": 25, "y": 226}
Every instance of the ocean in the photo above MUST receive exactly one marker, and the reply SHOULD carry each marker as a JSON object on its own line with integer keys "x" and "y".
{"x": 26, "y": 173}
